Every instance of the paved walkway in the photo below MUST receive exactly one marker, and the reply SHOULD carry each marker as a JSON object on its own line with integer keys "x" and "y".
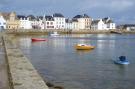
{"x": 3, "y": 69}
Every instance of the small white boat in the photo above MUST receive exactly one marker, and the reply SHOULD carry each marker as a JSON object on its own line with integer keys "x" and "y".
{"x": 122, "y": 61}
{"x": 54, "y": 34}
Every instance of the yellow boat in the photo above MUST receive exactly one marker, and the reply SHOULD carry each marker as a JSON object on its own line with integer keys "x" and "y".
{"x": 84, "y": 47}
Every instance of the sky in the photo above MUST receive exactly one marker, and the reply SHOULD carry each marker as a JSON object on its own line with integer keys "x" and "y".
{"x": 121, "y": 11}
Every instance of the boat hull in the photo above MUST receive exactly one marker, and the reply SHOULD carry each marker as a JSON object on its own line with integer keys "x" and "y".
{"x": 54, "y": 34}
{"x": 84, "y": 47}
{"x": 37, "y": 39}
{"x": 121, "y": 63}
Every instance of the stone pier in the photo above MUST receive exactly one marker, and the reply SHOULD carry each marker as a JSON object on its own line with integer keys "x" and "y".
{"x": 22, "y": 74}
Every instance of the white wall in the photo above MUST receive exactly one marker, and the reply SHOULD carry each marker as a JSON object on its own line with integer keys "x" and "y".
{"x": 2, "y": 23}
{"x": 81, "y": 23}
{"x": 75, "y": 25}
{"x": 101, "y": 25}
{"x": 49, "y": 25}
{"x": 68, "y": 25}
{"x": 59, "y": 23}
{"x": 25, "y": 24}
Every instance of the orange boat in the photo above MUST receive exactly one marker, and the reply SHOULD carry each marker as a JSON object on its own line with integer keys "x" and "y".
{"x": 38, "y": 39}
{"x": 84, "y": 47}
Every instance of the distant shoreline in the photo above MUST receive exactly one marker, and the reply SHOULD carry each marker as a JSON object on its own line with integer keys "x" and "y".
{"x": 39, "y": 31}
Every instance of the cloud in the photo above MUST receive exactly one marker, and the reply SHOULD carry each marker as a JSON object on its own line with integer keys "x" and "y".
{"x": 113, "y": 5}
{"x": 125, "y": 20}
{"x": 94, "y": 8}
{"x": 4, "y": 2}
{"x": 121, "y": 5}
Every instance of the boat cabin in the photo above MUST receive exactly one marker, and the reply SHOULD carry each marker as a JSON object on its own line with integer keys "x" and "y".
{"x": 122, "y": 58}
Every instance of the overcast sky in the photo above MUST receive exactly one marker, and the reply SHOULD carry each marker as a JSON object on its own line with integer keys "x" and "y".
{"x": 121, "y": 11}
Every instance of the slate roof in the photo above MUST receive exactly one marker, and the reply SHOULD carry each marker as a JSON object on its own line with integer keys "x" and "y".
{"x": 5, "y": 15}
{"x": 49, "y": 18}
{"x": 82, "y": 16}
{"x": 74, "y": 20}
{"x": 68, "y": 21}
{"x": 107, "y": 20}
{"x": 95, "y": 21}
{"x": 78, "y": 16}
{"x": 129, "y": 25}
{"x": 40, "y": 17}
{"x": 21, "y": 16}
{"x": 85, "y": 16}
{"x": 31, "y": 17}
{"x": 58, "y": 15}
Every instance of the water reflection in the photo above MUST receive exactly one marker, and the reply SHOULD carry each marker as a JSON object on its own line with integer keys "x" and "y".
{"x": 81, "y": 52}
{"x": 58, "y": 42}
{"x": 25, "y": 42}
{"x": 59, "y": 62}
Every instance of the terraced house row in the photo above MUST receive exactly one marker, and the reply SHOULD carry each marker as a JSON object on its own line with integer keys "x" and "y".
{"x": 55, "y": 21}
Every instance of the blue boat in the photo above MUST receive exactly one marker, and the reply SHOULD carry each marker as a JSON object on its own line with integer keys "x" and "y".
{"x": 122, "y": 60}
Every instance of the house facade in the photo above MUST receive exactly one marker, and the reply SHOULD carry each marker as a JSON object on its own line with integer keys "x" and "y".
{"x": 40, "y": 22}
{"x": 59, "y": 21}
{"x": 84, "y": 21}
{"x": 2, "y": 22}
{"x": 25, "y": 23}
{"x": 127, "y": 27}
{"x": 13, "y": 22}
{"x": 98, "y": 25}
{"x": 75, "y": 24}
{"x": 109, "y": 24}
{"x": 103, "y": 24}
{"x": 49, "y": 22}
{"x": 68, "y": 24}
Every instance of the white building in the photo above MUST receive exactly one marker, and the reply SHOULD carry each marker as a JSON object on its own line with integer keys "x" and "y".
{"x": 127, "y": 27}
{"x": 2, "y": 22}
{"x": 36, "y": 22}
{"x": 103, "y": 24}
{"x": 84, "y": 21}
{"x": 59, "y": 21}
{"x": 98, "y": 25}
{"x": 25, "y": 23}
{"x": 75, "y": 24}
{"x": 68, "y": 24}
{"x": 49, "y": 22}
{"x": 40, "y": 22}
{"x": 109, "y": 23}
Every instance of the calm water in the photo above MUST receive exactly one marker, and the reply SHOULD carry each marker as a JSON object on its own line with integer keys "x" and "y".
{"x": 60, "y": 63}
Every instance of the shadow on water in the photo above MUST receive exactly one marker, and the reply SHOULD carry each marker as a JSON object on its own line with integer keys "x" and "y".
{"x": 83, "y": 51}
{"x": 123, "y": 68}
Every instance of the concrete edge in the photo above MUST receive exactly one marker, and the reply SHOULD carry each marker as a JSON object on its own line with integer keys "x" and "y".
{"x": 7, "y": 63}
{"x": 12, "y": 76}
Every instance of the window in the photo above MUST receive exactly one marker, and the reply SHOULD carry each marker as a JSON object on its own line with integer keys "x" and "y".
{"x": 51, "y": 23}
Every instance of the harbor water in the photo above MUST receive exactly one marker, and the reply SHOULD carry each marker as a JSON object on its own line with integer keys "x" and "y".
{"x": 58, "y": 62}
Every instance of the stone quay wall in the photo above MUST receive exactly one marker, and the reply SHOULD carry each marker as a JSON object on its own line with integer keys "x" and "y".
{"x": 22, "y": 74}
{"x": 64, "y": 31}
